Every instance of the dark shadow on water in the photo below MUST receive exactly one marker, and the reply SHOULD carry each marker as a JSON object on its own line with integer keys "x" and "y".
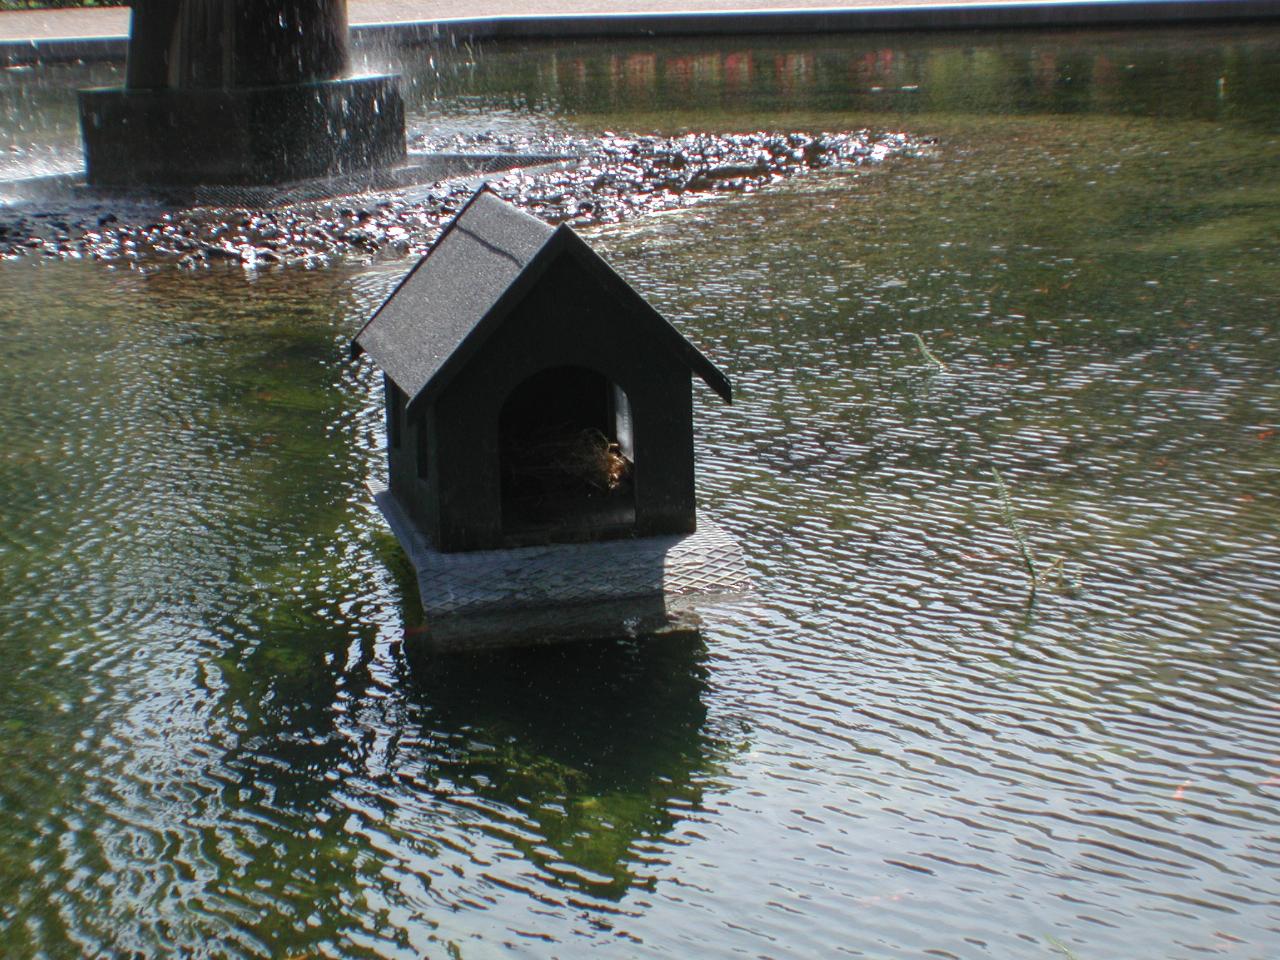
{"x": 598, "y": 745}
{"x": 613, "y": 707}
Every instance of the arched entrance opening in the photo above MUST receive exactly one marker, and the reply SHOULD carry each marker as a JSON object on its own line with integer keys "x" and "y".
{"x": 565, "y": 443}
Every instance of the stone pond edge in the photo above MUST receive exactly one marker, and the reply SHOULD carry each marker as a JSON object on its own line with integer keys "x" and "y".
{"x": 941, "y": 16}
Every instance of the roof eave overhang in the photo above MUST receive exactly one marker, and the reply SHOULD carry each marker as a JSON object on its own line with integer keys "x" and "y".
{"x": 690, "y": 355}
{"x": 562, "y": 240}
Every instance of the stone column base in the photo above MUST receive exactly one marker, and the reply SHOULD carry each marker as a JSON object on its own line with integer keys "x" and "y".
{"x": 248, "y": 136}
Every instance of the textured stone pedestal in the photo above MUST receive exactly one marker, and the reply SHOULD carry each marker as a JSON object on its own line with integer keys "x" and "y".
{"x": 244, "y": 136}
{"x": 239, "y": 92}
{"x": 526, "y": 595}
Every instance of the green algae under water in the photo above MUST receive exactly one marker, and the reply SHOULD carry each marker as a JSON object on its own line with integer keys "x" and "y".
{"x": 214, "y": 743}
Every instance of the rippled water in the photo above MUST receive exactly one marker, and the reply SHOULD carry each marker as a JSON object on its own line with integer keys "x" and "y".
{"x": 215, "y": 739}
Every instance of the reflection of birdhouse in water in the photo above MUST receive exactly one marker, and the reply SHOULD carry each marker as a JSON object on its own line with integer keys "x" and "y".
{"x": 534, "y": 399}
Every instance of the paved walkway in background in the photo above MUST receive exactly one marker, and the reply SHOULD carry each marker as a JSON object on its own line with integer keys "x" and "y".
{"x": 42, "y": 27}
{"x": 83, "y": 23}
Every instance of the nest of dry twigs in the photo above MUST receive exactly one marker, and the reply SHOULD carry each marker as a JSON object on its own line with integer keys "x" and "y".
{"x": 569, "y": 462}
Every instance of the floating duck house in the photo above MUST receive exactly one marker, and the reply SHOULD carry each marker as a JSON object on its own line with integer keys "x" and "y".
{"x": 538, "y": 409}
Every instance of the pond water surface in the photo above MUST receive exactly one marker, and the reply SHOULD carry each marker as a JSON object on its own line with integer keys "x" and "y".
{"x": 215, "y": 739}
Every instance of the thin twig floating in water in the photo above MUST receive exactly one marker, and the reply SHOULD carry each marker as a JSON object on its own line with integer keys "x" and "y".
{"x": 924, "y": 349}
{"x": 1011, "y": 521}
{"x": 1058, "y": 944}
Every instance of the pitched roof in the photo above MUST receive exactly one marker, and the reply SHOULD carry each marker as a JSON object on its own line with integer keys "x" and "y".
{"x": 488, "y": 257}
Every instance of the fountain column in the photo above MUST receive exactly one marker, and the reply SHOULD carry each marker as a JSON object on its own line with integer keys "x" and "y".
{"x": 239, "y": 92}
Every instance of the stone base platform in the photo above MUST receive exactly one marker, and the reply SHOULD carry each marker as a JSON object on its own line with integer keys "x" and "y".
{"x": 419, "y": 175}
{"x": 530, "y": 595}
{"x": 251, "y": 135}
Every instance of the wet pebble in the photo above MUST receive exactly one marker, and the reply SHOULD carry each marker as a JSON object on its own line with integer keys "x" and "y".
{"x": 618, "y": 178}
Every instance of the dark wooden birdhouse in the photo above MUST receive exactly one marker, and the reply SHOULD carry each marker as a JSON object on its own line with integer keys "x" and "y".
{"x": 532, "y": 396}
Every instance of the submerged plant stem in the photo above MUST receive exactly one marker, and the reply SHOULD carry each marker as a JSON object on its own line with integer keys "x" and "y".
{"x": 1006, "y": 505}
{"x": 926, "y": 352}
{"x": 1059, "y": 945}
